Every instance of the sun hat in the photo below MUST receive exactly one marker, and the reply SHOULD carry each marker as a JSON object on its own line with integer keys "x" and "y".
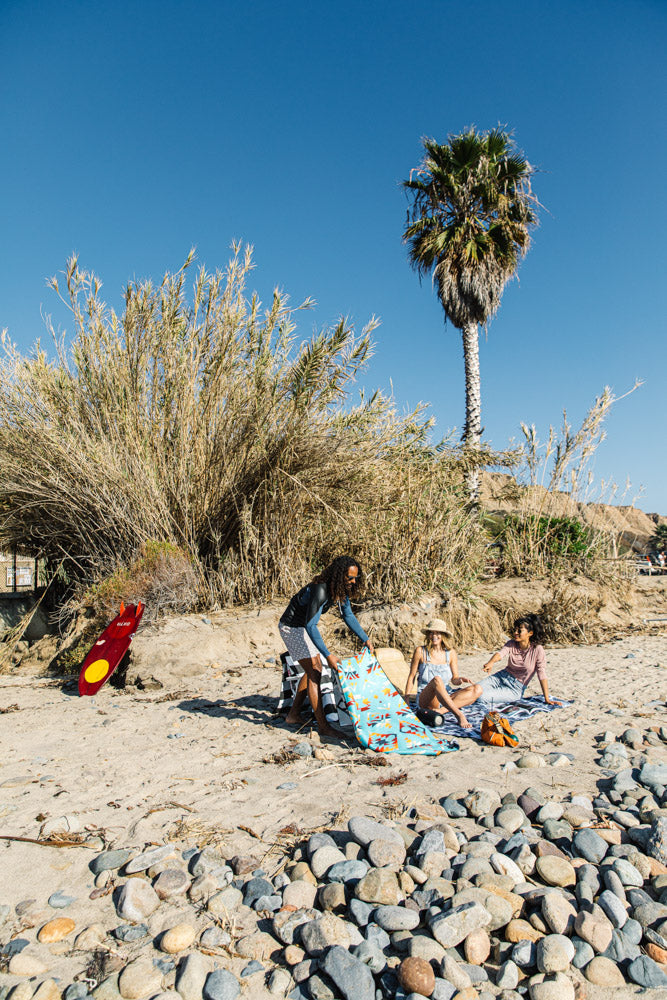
{"x": 437, "y": 625}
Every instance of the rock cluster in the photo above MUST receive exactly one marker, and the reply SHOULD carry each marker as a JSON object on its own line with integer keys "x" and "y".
{"x": 488, "y": 897}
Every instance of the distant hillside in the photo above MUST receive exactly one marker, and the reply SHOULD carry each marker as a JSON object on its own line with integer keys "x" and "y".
{"x": 501, "y": 494}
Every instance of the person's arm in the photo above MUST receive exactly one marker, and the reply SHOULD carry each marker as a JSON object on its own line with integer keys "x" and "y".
{"x": 353, "y": 625}
{"x": 414, "y": 666}
{"x": 490, "y": 663}
{"x": 454, "y": 666}
{"x": 540, "y": 670}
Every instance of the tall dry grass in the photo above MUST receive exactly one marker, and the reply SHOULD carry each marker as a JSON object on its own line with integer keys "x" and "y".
{"x": 197, "y": 423}
{"x": 553, "y": 529}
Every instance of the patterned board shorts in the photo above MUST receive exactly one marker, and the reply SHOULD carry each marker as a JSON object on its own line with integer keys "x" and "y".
{"x": 501, "y": 688}
{"x": 299, "y": 644}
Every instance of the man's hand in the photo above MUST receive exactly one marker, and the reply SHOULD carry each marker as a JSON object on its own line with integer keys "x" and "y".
{"x": 370, "y": 647}
{"x": 333, "y": 661}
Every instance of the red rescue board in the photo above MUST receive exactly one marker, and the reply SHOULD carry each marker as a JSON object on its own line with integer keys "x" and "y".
{"x": 109, "y": 649}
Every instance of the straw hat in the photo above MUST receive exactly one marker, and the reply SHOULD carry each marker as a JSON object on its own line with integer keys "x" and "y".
{"x": 437, "y": 625}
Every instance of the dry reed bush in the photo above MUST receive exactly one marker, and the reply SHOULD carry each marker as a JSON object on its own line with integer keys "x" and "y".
{"x": 200, "y": 423}
{"x": 547, "y": 534}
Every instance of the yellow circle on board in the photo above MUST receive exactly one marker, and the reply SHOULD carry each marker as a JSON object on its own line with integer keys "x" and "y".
{"x": 96, "y": 671}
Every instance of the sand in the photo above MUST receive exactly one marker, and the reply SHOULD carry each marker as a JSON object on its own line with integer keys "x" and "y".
{"x": 146, "y": 767}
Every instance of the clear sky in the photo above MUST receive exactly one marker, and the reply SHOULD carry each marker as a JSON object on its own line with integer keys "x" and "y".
{"x": 133, "y": 131}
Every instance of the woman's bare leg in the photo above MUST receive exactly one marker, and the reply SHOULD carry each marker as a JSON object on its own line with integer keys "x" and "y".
{"x": 313, "y": 670}
{"x": 294, "y": 715}
{"x": 466, "y": 696}
{"x": 435, "y": 696}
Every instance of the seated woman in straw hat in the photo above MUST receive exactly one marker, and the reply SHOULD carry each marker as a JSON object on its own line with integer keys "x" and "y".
{"x": 435, "y": 666}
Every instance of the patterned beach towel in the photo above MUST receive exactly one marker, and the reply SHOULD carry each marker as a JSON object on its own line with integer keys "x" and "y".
{"x": 515, "y": 711}
{"x": 380, "y": 716}
{"x": 333, "y": 702}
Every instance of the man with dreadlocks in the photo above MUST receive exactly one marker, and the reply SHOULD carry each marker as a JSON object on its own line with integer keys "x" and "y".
{"x": 298, "y": 628}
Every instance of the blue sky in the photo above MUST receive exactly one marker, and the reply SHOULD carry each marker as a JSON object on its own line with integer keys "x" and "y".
{"x": 133, "y": 131}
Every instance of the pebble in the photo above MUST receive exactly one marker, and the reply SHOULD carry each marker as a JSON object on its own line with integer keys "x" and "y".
{"x": 130, "y": 932}
{"x": 142, "y": 862}
{"x": 326, "y": 931}
{"x": 55, "y": 930}
{"x": 171, "y": 882}
{"x": 482, "y": 802}
{"x": 450, "y": 928}
{"x": 59, "y": 900}
{"x": 416, "y": 976}
{"x": 353, "y": 979}
{"x": 645, "y": 972}
{"x": 177, "y": 938}
{"x": 594, "y": 928}
{"x": 554, "y": 953}
{"x": 136, "y": 899}
{"x": 396, "y": 918}
{"x": 23, "y": 964}
{"x": 604, "y": 972}
{"x": 322, "y": 860}
{"x": 139, "y": 979}
{"x": 109, "y": 861}
{"x": 191, "y": 975}
{"x": 589, "y": 845}
{"x": 555, "y": 871}
{"x": 365, "y": 830}
{"x": 221, "y": 985}
{"x": 558, "y": 913}
{"x": 379, "y": 885}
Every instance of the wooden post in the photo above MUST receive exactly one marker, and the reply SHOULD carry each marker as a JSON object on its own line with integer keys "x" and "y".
{"x": 14, "y": 588}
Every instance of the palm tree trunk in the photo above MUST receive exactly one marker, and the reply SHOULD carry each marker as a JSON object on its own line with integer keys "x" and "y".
{"x": 472, "y": 430}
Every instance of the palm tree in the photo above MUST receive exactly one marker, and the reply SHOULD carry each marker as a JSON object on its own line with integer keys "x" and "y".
{"x": 469, "y": 224}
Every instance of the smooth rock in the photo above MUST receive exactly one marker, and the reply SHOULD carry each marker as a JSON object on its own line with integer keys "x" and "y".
{"x": 48, "y": 989}
{"x": 627, "y": 873}
{"x": 136, "y": 899}
{"x": 24, "y": 964}
{"x": 554, "y": 953}
{"x": 60, "y": 901}
{"x": 349, "y": 872}
{"x": 90, "y": 937}
{"x": 477, "y": 947}
{"x": 482, "y": 802}
{"x": 142, "y": 862}
{"x": 558, "y": 913}
{"x": 583, "y": 953}
{"x": 613, "y": 908}
{"x": 450, "y": 928}
{"x": 191, "y": 976}
{"x": 299, "y": 894}
{"x": 221, "y": 985}
{"x": 594, "y": 928}
{"x": 396, "y": 918}
{"x": 555, "y": 871}
{"x": 379, "y": 885}
{"x": 365, "y": 830}
{"x": 286, "y": 922}
{"x": 416, "y": 976}
{"x": 328, "y": 930}
{"x": 353, "y": 979}
{"x": 589, "y": 845}
{"x": 177, "y": 938}
{"x": 510, "y": 818}
{"x": 604, "y": 972}
{"x": 555, "y": 987}
{"x": 55, "y": 930}
{"x": 324, "y": 858}
{"x": 645, "y": 972}
{"x": 225, "y": 902}
{"x": 520, "y": 930}
{"x": 139, "y": 979}
{"x": 386, "y": 854}
{"x": 171, "y": 882}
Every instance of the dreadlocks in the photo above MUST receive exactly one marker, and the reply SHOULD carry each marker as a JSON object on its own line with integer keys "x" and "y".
{"x": 334, "y": 577}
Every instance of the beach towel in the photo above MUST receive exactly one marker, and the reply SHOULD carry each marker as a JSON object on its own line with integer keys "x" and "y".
{"x": 381, "y": 718}
{"x": 333, "y": 702}
{"x": 515, "y": 711}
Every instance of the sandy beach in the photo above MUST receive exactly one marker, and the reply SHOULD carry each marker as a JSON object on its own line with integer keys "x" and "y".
{"x": 194, "y": 765}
